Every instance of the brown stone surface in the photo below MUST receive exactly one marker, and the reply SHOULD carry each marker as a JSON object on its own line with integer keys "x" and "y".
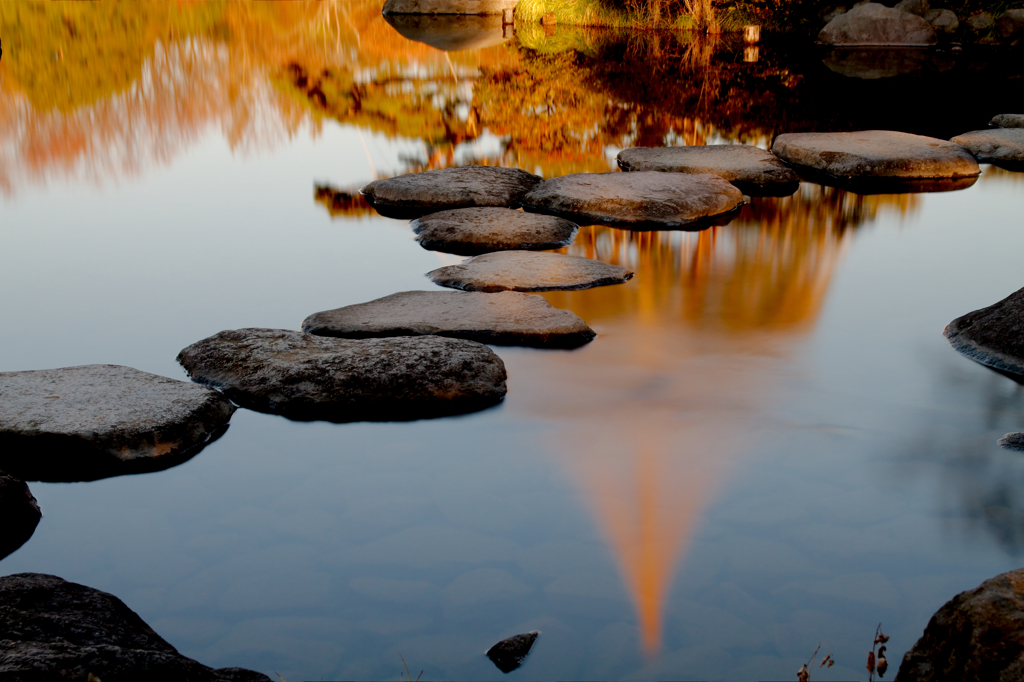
{"x": 472, "y": 231}
{"x": 19, "y": 512}
{"x": 918, "y": 7}
{"x": 528, "y": 271}
{"x": 942, "y": 20}
{"x": 506, "y": 318}
{"x": 1000, "y": 146}
{"x": 447, "y": 6}
{"x": 638, "y": 200}
{"x": 751, "y": 169}
{"x": 1011, "y": 24}
{"x": 993, "y": 336}
{"x": 875, "y": 24}
{"x": 302, "y": 376}
{"x": 1008, "y": 121}
{"x": 450, "y": 32}
{"x": 978, "y": 636}
{"x": 417, "y": 194}
{"x": 94, "y": 421}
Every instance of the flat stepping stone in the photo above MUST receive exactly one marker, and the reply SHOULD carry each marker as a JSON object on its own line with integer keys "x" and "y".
{"x": 304, "y": 377}
{"x": 874, "y": 24}
{"x": 94, "y": 421}
{"x": 641, "y": 200}
{"x": 528, "y": 271}
{"x": 20, "y": 513}
{"x": 1003, "y": 146}
{"x": 472, "y": 231}
{"x": 993, "y": 336}
{"x": 1008, "y": 121}
{"x": 417, "y": 194}
{"x": 750, "y": 169}
{"x": 507, "y": 318}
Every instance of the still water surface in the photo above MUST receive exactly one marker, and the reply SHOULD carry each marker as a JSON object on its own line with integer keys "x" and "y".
{"x": 769, "y": 444}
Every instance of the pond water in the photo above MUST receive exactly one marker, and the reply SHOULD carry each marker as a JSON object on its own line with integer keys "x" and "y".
{"x": 769, "y": 444}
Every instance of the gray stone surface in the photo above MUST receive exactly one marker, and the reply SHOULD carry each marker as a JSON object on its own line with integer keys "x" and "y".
{"x": 509, "y": 654}
{"x": 978, "y": 636}
{"x": 20, "y": 514}
{"x": 1000, "y": 146}
{"x": 918, "y": 7}
{"x": 51, "y": 629}
{"x": 875, "y": 24}
{"x": 751, "y": 169}
{"x": 506, "y": 318}
{"x": 417, "y": 194}
{"x": 451, "y": 32}
{"x": 993, "y": 336}
{"x": 981, "y": 23}
{"x": 1012, "y": 441}
{"x": 942, "y": 20}
{"x": 447, "y": 6}
{"x": 1011, "y": 24}
{"x": 876, "y": 153}
{"x": 528, "y": 271}
{"x": 93, "y": 421}
{"x": 1008, "y": 121}
{"x": 303, "y": 376}
{"x": 640, "y": 200}
{"x": 472, "y": 231}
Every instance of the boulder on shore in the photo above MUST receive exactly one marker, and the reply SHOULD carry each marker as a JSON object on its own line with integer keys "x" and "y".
{"x": 447, "y": 6}
{"x": 52, "y": 629}
{"x": 1008, "y": 121}
{"x": 20, "y": 513}
{"x": 918, "y": 7}
{"x": 993, "y": 336}
{"x": 750, "y": 169}
{"x": 1011, "y": 24}
{"x": 472, "y": 231}
{"x": 94, "y": 421}
{"x": 875, "y": 24}
{"x": 942, "y": 20}
{"x": 1002, "y": 146}
{"x": 506, "y": 318}
{"x": 306, "y": 377}
{"x": 528, "y": 271}
{"x": 977, "y": 636}
{"x": 416, "y": 194}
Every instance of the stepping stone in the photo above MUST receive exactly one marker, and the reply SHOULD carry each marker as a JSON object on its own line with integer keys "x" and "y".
{"x": 993, "y": 336}
{"x": 509, "y": 654}
{"x": 20, "y": 513}
{"x": 1008, "y": 121}
{"x": 472, "y": 231}
{"x": 528, "y": 271}
{"x": 879, "y": 160}
{"x": 94, "y": 421}
{"x": 1002, "y": 146}
{"x": 642, "y": 200}
{"x": 305, "y": 377}
{"x": 507, "y": 318}
{"x": 417, "y": 194}
{"x": 877, "y": 25}
{"x": 752, "y": 170}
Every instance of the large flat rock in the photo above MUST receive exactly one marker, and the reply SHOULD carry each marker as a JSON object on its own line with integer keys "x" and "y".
{"x": 1002, "y": 146}
{"x": 417, "y": 194}
{"x": 1008, "y": 121}
{"x": 93, "y": 421}
{"x": 52, "y": 629}
{"x": 472, "y": 231}
{"x": 639, "y": 200}
{"x": 528, "y": 271}
{"x": 19, "y": 511}
{"x": 447, "y": 6}
{"x": 752, "y": 170}
{"x": 303, "y": 376}
{"x": 506, "y": 318}
{"x": 993, "y": 336}
{"x": 875, "y": 24}
{"x": 451, "y": 32}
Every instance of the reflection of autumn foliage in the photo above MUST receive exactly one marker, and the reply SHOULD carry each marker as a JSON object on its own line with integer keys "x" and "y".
{"x": 341, "y": 202}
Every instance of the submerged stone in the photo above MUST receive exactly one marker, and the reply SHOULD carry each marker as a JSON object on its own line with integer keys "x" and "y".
{"x": 752, "y": 170}
{"x": 94, "y": 421}
{"x": 472, "y": 231}
{"x": 304, "y": 377}
{"x": 450, "y": 32}
{"x": 447, "y": 6}
{"x": 993, "y": 336}
{"x": 1008, "y": 121}
{"x": 638, "y": 200}
{"x": 528, "y": 271}
{"x": 1002, "y": 146}
{"x": 875, "y": 24}
{"x": 52, "y": 629}
{"x": 509, "y": 654}
{"x": 506, "y": 318}
{"x": 417, "y": 194}
{"x": 1012, "y": 441}
{"x": 20, "y": 513}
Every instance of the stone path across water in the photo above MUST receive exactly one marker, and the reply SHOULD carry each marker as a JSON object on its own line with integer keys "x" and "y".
{"x": 506, "y": 318}
{"x": 751, "y": 169}
{"x": 472, "y": 231}
{"x": 528, "y": 271}
{"x": 1000, "y": 146}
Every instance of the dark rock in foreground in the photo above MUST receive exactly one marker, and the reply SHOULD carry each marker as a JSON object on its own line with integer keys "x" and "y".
{"x": 19, "y": 513}
{"x": 978, "y": 636}
{"x": 506, "y": 318}
{"x": 51, "y": 629}
{"x": 1002, "y": 146}
{"x": 472, "y": 231}
{"x": 304, "y": 377}
{"x": 417, "y": 194}
{"x": 528, "y": 271}
{"x": 509, "y": 654}
{"x": 875, "y": 24}
{"x": 1008, "y": 121}
{"x": 1012, "y": 441}
{"x": 93, "y": 421}
{"x": 993, "y": 336}
{"x": 638, "y": 200}
{"x": 752, "y": 170}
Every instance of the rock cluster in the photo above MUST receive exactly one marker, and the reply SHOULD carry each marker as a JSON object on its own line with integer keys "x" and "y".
{"x": 874, "y": 24}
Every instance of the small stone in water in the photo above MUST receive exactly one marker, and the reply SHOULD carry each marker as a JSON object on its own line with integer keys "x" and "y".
{"x": 509, "y": 654}
{"x": 1002, "y": 146}
{"x": 20, "y": 514}
{"x": 528, "y": 271}
{"x": 992, "y": 336}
